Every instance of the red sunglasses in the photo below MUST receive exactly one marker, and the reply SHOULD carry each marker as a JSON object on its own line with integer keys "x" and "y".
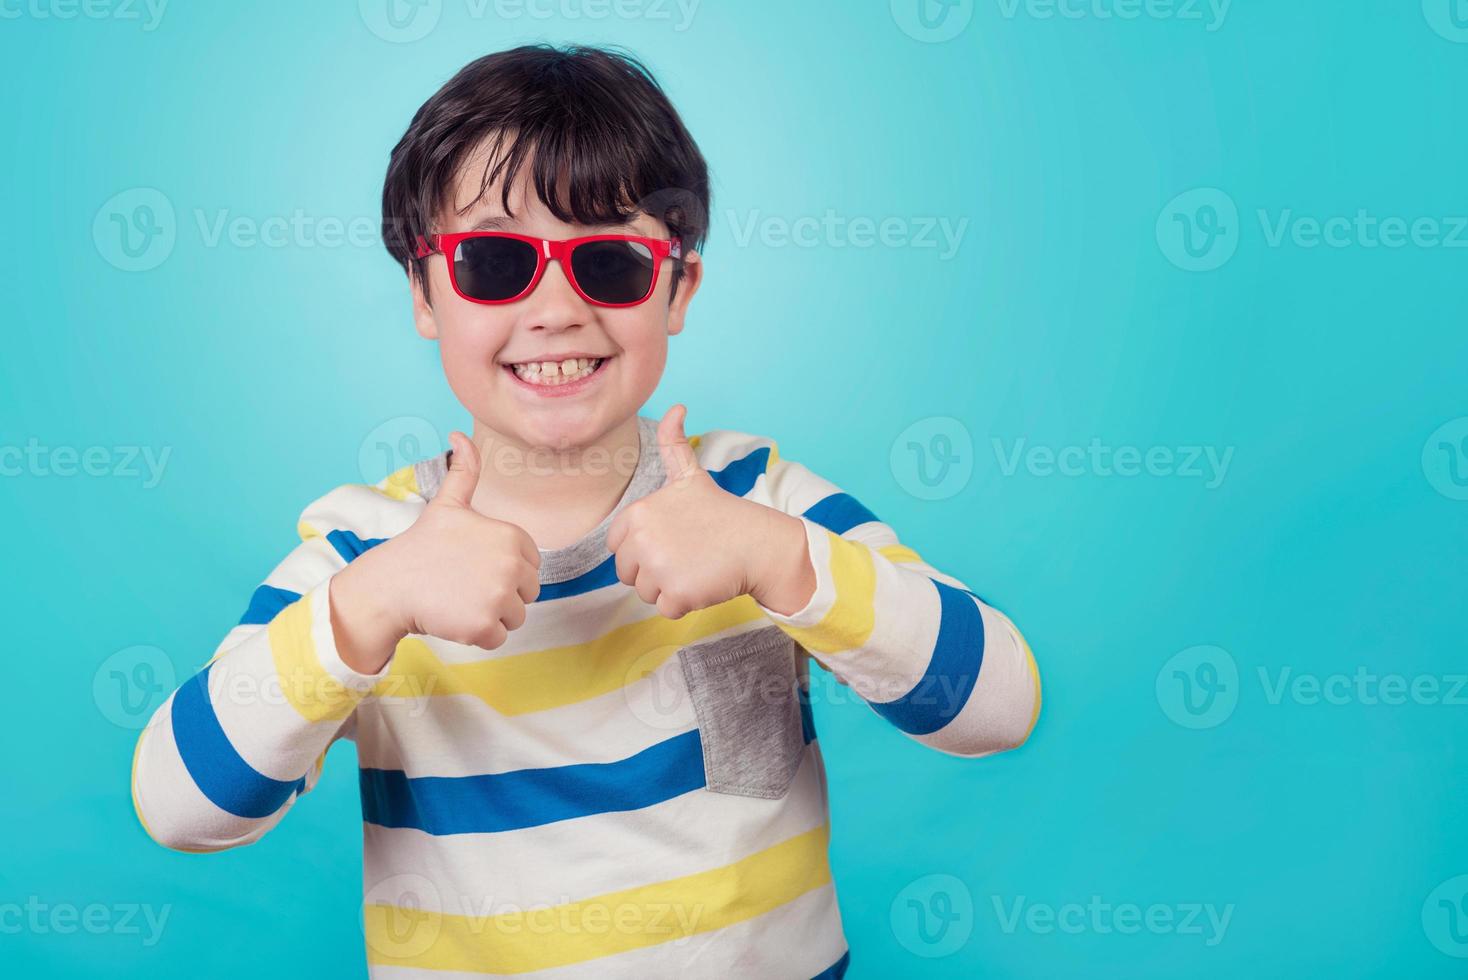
{"x": 501, "y": 267}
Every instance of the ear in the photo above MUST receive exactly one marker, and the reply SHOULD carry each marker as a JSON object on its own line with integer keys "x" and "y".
{"x": 423, "y": 317}
{"x": 687, "y": 286}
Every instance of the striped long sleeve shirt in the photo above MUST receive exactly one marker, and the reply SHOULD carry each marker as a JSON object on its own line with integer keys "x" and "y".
{"x": 610, "y": 793}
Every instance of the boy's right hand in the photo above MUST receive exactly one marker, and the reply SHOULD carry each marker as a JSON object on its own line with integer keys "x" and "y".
{"x": 454, "y": 574}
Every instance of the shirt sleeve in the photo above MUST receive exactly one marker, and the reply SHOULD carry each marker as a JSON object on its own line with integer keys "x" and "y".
{"x": 924, "y": 651}
{"x": 235, "y": 745}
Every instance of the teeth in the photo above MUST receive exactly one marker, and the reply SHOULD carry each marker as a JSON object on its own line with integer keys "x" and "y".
{"x": 556, "y": 372}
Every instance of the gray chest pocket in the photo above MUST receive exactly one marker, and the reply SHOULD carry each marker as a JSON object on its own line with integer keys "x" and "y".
{"x": 743, "y": 689}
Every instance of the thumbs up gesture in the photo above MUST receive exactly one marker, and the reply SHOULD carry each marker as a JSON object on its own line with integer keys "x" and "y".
{"x": 691, "y": 544}
{"x": 455, "y": 574}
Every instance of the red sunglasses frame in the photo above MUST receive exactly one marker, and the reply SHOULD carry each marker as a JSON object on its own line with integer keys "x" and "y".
{"x": 547, "y": 249}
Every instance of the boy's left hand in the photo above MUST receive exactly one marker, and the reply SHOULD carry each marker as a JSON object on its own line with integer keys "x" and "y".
{"x": 691, "y": 544}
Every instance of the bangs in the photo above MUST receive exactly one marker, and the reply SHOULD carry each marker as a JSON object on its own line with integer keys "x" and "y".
{"x": 573, "y": 174}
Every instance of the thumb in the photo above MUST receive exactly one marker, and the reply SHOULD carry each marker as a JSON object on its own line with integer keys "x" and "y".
{"x": 679, "y": 459}
{"x": 462, "y": 478}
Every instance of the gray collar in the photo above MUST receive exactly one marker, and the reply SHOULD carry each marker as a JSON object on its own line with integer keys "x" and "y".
{"x": 560, "y": 564}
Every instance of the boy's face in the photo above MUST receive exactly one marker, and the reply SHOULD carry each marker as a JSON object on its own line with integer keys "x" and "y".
{"x": 478, "y": 342}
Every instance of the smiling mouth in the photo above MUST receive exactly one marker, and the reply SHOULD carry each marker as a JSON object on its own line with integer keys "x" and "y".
{"x": 553, "y": 374}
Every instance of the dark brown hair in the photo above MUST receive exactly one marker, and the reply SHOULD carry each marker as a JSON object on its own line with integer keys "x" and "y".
{"x": 601, "y": 138}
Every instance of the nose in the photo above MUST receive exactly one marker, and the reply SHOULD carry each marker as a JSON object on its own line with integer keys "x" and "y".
{"x": 554, "y": 305}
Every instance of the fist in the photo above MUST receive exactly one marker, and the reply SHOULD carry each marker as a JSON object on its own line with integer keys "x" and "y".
{"x": 456, "y": 573}
{"x": 691, "y": 544}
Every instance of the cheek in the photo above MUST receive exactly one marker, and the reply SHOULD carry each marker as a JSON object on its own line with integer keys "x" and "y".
{"x": 467, "y": 344}
{"x": 643, "y": 341}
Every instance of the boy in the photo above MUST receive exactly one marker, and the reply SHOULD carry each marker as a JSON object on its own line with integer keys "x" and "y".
{"x": 578, "y": 691}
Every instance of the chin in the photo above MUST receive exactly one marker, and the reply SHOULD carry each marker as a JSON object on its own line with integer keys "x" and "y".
{"x": 560, "y": 427}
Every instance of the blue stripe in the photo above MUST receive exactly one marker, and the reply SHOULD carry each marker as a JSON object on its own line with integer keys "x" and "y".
{"x": 839, "y": 513}
{"x": 267, "y": 601}
{"x": 349, "y": 546}
{"x": 266, "y": 604}
{"x": 489, "y": 803}
{"x": 952, "y": 671}
{"x": 738, "y": 477}
{"x": 229, "y": 782}
{"x": 836, "y": 970}
{"x": 599, "y": 577}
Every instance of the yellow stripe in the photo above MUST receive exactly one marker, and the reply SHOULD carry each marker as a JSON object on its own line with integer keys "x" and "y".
{"x": 1035, "y": 677}
{"x": 557, "y": 676}
{"x": 848, "y": 623}
{"x": 616, "y": 922}
{"x": 899, "y": 553}
{"x": 400, "y": 485}
{"x": 133, "y": 783}
{"x": 315, "y": 694}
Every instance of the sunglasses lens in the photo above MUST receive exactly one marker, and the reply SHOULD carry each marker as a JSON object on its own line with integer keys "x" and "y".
{"x": 494, "y": 268}
{"x": 612, "y": 271}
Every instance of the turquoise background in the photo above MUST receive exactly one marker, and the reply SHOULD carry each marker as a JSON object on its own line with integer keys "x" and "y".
{"x": 1332, "y": 544}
